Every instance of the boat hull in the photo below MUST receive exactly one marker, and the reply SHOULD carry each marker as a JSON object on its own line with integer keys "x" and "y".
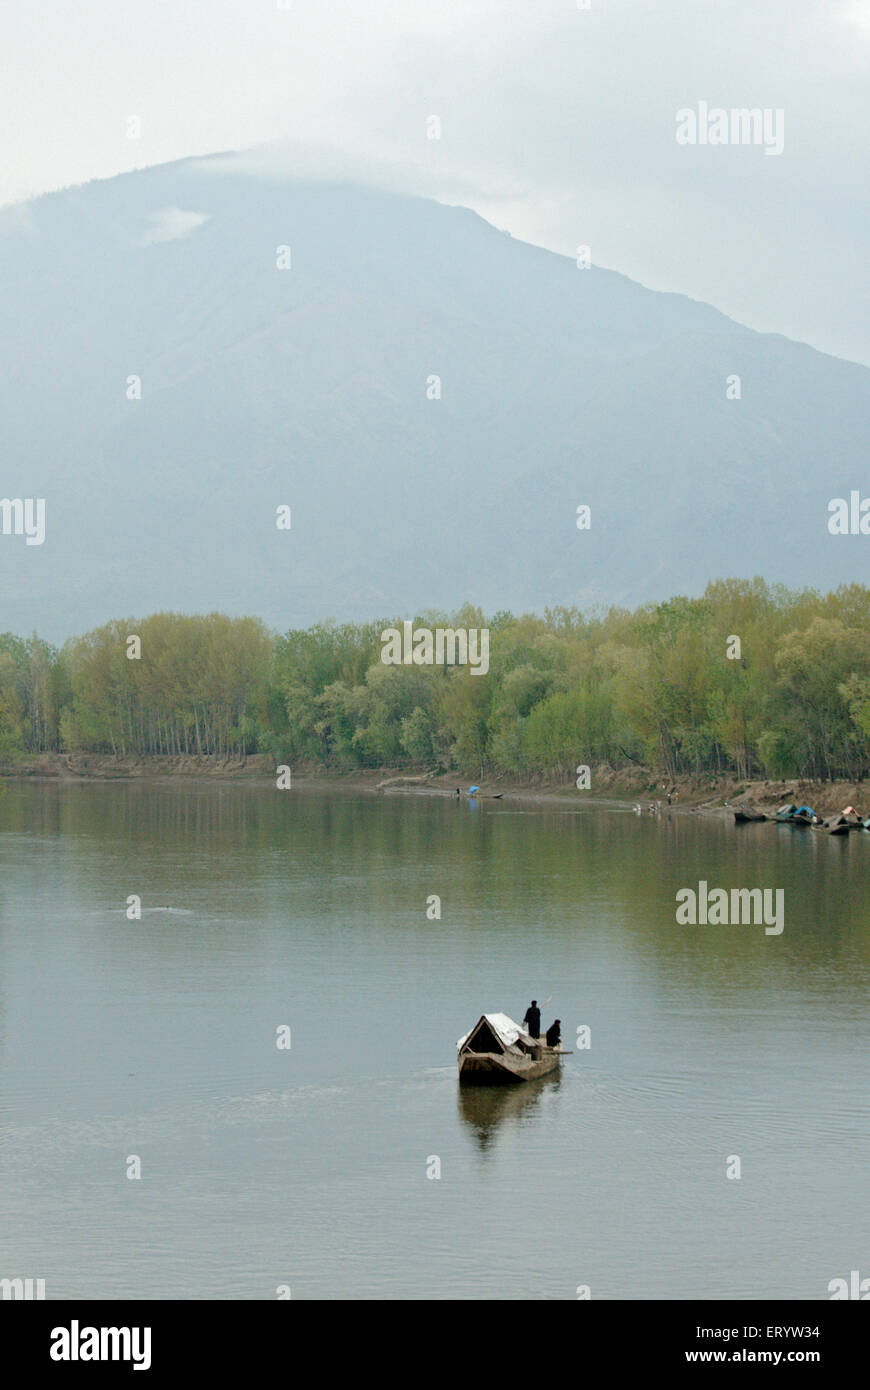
{"x": 494, "y": 1069}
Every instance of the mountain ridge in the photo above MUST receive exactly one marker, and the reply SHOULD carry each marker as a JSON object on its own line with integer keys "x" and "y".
{"x": 308, "y": 387}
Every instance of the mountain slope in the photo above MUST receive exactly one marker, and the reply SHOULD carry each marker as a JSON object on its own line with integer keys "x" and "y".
{"x": 308, "y": 387}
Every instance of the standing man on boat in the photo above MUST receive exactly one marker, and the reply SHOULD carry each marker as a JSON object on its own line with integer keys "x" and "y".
{"x": 533, "y": 1019}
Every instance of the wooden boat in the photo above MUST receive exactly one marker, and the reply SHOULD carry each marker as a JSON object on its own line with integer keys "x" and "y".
{"x": 834, "y": 825}
{"x": 786, "y": 813}
{"x": 498, "y": 1052}
{"x": 804, "y": 815}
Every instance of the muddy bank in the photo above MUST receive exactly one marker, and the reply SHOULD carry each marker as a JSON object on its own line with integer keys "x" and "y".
{"x": 699, "y": 796}
{"x": 105, "y": 768}
{"x": 702, "y": 795}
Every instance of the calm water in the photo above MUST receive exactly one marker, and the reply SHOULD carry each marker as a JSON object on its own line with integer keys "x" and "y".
{"x": 308, "y": 1167}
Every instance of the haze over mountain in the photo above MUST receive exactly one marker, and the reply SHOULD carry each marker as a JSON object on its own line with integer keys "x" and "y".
{"x": 308, "y": 387}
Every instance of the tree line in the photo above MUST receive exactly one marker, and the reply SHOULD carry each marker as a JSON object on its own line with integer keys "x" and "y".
{"x": 749, "y": 679}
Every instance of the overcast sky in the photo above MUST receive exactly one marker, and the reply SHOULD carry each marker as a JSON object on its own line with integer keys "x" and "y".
{"x": 557, "y": 123}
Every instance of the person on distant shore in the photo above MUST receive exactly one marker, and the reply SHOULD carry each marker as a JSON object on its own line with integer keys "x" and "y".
{"x": 533, "y": 1019}
{"x": 554, "y": 1033}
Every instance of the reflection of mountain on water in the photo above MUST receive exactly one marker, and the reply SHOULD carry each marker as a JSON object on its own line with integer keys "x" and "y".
{"x": 484, "y": 1108}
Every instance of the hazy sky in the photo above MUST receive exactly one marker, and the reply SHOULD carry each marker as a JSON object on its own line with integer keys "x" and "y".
{"x": 557, "y": 123}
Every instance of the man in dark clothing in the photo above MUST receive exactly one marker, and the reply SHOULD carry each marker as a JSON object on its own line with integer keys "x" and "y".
{"x": 533, "y": 1019}
{"x": 554, "y": 1033}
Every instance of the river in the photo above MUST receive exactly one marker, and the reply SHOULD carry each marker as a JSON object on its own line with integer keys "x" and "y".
{"x": 307, "y": 1168}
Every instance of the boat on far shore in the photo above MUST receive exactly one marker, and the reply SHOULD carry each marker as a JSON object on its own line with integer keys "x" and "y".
{"x": 499, "y": 1052}
{"x": 804, "y": 816}
{"x": 837, "y": 825}
{"x": 797, "y": 815}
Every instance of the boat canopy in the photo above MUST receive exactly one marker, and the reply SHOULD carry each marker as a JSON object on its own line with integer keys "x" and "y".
{"x": 503, "y": 1027}
{"x": 805, "y": 808}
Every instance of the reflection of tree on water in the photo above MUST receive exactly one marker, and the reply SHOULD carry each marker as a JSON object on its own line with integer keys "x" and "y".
{"x": 484, "y": 1108}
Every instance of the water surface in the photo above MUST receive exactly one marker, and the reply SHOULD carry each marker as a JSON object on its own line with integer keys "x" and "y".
{"x": 308, "y": 1167}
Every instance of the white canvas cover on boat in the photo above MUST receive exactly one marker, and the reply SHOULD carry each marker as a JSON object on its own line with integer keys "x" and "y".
{"x": 504, "y": 1028}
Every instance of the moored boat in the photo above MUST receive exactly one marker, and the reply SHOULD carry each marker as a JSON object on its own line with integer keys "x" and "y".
{"x": 499, "y": 1052}
{"x": 836, "y": 825}
{"x": 786, "y": 813}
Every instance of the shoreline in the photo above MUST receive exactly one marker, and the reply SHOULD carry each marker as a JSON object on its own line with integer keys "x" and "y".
{"x": 626, "y": 787}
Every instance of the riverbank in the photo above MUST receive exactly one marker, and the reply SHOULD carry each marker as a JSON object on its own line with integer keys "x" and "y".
{"x": 703, "y": 795}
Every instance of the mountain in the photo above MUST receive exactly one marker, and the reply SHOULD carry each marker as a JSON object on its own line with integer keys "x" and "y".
{"x": 307, "y": 387}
